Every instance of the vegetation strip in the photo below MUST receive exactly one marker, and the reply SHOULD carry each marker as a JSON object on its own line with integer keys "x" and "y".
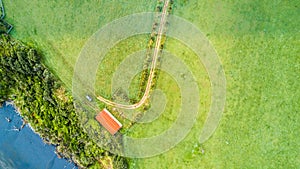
{"x": 152, "y": 70}
{"x": 145, "y": 72}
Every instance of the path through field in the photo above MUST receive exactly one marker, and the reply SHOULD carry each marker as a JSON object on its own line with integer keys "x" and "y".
{"x": 152, "y": 69}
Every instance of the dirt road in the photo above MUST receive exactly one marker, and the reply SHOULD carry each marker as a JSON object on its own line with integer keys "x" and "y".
{"x": 152, "y": 69}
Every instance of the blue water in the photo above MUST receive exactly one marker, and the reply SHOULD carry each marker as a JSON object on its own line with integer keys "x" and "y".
{"x": 24, "y": 149}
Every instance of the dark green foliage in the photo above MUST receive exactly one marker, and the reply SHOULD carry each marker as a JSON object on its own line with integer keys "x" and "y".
{"x": 43, "y": 102}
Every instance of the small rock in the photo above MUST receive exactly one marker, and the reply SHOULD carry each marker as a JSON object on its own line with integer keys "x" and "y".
{"x": 8, "y": 119}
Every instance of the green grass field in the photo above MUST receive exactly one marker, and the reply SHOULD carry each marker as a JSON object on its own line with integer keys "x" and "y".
{"x": 113, "y": 59}
{"x": 61, "y": 28}
{"x": 258, "y": 45}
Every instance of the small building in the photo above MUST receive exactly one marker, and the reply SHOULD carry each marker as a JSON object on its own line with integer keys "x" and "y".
{"x": 108, "y": 121}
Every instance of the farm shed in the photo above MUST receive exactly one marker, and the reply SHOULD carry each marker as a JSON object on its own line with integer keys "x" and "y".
{"x": 107, "y": 120}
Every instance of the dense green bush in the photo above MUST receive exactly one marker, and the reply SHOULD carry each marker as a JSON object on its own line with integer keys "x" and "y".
{"x": 44, "y": 103}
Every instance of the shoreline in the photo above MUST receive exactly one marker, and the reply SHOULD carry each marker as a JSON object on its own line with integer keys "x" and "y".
{"x": 16, "y": 122}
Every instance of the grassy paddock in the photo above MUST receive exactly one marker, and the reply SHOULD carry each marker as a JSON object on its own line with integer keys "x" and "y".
{"x": 60, "y": 28}
{"x": 113, "y": 59}
{"x": 256, "y": 42}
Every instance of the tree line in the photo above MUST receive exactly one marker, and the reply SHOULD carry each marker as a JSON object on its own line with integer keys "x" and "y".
{"x": 44, "y": 103}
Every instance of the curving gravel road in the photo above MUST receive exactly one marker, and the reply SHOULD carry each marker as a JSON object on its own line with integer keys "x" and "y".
{"x": 152, "y": 69}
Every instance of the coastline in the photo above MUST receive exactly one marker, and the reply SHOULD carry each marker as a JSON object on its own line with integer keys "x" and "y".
{"x": 19, "y": 140}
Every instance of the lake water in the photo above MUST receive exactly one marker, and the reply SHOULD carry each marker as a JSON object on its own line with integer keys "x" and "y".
{"x": 24, "y": 149}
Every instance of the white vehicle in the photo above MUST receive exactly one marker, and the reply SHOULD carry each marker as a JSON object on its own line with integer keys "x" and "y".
{"x": 88, "y": 98}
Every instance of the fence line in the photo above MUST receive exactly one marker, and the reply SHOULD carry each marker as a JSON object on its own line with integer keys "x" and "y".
{"x": 8, "y": 26}
{"x": 2, "y": 10}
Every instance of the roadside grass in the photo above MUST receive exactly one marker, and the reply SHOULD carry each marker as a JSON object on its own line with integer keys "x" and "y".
{"x": 167, "y": 117}
{"x": 113, "y": 59}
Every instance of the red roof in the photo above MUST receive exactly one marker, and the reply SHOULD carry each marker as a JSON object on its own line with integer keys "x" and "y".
{"x": 107, "y": 120}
